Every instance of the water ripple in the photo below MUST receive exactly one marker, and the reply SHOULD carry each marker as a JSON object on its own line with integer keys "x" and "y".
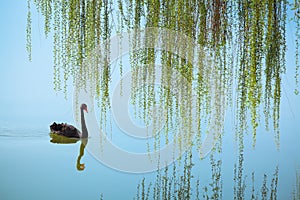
{"x": 24, "y": 132}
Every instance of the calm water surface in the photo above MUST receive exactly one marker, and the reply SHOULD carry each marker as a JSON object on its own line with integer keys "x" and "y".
{"x": 34, "y": 168}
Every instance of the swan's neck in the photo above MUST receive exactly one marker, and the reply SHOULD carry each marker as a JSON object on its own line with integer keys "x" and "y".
{"x": 83, "y": 126}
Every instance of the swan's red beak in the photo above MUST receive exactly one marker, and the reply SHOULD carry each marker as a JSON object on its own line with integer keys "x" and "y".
{"x": 86, "y": 110}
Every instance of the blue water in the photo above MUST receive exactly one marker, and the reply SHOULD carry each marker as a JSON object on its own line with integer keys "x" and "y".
{"x": 33, "y": 168}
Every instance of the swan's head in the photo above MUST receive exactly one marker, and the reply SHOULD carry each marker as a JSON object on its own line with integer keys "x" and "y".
{"x": 84, "y": 107}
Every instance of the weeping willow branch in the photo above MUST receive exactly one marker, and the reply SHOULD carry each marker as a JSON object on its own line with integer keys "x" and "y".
{"x": 28, "y": 31}
{"x": 242, "y": 45}
{"x": 296, "y": 19}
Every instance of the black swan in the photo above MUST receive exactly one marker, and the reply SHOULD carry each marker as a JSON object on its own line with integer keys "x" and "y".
{"x": 70, "y": 131}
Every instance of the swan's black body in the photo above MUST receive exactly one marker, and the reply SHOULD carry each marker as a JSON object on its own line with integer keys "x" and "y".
{"x": 65, "y": 130}
{"x": 70, "y": 131}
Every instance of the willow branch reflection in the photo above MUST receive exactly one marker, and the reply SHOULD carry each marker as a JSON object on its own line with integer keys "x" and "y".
{"x": 296, "y": 191}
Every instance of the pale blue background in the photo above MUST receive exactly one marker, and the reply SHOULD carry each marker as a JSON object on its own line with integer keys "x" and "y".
{"x": 32, "y": 168}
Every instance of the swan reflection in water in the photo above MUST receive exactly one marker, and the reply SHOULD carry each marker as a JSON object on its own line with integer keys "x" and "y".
{"x": 81, "y": 166}
{"x": 59, "y": 139}
{"x": 62, "y": 133}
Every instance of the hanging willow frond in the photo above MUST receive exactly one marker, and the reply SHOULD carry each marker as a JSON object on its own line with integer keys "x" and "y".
{"x": 296, "y": 19}
{"x": 28, "y": 30}
{"x": 235, "y": 44}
